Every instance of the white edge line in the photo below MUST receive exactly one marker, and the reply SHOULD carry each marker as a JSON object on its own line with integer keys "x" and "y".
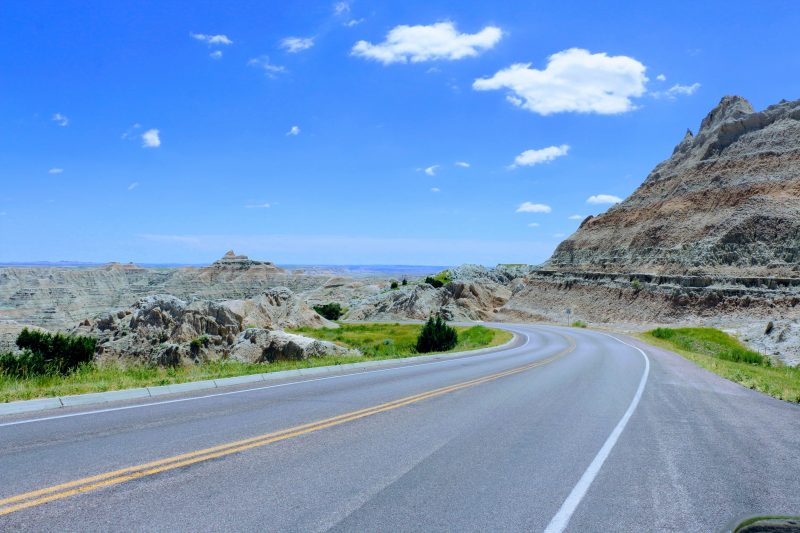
{"x": 242, "y": 391}
{"x": 561, "y": 519}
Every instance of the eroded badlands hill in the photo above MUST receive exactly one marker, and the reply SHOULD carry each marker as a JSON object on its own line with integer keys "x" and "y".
{"x": 726, "y": 202}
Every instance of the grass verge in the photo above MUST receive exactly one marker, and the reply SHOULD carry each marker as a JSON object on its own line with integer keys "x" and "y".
{"x": 725, "y": 356}
{"x": 115, "y": 376}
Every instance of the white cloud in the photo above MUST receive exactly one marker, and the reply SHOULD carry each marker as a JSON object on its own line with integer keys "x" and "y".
{"x": 212, "y": 39}
{"x": 661, "y": 77}
{"x": 576, "y": 217}
{"x": 603, "y": 199}
{"x": 574, "y": 80}
{"x": 263, "y": 63}
{"x": 297, "y": 44}
{"x": 258, "y": 206}
{"x": 216, "y": 54}
{"x": 533, "y": 225}
{"x": 435, "y": 189}
{"x": 529, "y": 207}
{"x": 294, "y": 130}
{"x": 60, "y": 119}
{"x": 151, "y": 139}
{"x": 677, "y": 90}
{"x": 428, "y": 43}
{"x": 431, "y": 170}
{"x": 529, "y": 158}
{"x": 462, "y": 164}
{"x": 353, "y": 22}
{"x": 131, "y": 133}
{"x": 133, "y": 185}
{"x": 55, "y": 171}
{"x": 340, "y": 8}
{"x": 558, "y": 235}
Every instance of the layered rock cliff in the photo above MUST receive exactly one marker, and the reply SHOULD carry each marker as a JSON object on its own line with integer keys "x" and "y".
{"x": 726, "y": 202}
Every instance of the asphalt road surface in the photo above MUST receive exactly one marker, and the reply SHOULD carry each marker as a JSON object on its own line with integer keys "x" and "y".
{"x": 564, "y": 430}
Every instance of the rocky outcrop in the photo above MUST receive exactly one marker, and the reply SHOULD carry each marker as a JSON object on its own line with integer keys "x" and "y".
{"x": 457, "y": 300}
{"x": 277, "y": 308}
{"x": 726, "y": 202}
{"x": 256, "y": 345}
{"x": 166, "y": 330}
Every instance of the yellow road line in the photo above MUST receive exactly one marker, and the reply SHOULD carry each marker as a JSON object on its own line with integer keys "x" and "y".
{"x": 87, "y": 484}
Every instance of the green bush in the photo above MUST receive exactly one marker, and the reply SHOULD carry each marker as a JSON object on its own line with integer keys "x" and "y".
{"x": 331, "y": 311}
{"x": 46, "y": 353}
{"x": 579, "y": 324}
{"x": 196, "y": 344}
{"x": 394, "y": 285}
{"x": 436, "y": 336}
{"x": 404, "y": 282}
{"x": 433, "y": 282}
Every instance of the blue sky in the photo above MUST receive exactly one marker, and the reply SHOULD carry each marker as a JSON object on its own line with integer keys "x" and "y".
{"x": 333, "y": 132}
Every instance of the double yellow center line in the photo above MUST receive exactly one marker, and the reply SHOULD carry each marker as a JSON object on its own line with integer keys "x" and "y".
{"x": 87, "y": 484}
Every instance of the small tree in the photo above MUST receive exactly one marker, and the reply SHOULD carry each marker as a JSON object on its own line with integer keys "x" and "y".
{"x": 331, "y": 311}
{"x": 404, "y": 282}
{"x": 436, "y": 336}
{"x": 44, "y": 353}
{"x": 394, "y": 285}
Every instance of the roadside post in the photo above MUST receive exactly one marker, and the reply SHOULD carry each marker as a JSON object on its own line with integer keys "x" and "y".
{"x": 569, "y": 313}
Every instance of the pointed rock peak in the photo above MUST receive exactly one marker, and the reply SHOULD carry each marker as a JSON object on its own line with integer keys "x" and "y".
{"x": 689, "y": 135}
{"x": 729, "y": 108}
{"x": 230, "y": 254}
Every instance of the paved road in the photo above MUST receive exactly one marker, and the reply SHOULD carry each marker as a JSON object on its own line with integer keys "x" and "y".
{"x": 567, "y": 429}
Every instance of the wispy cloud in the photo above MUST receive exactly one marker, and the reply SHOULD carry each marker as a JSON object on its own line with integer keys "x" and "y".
{"x": 530, "y": 207}
{"x": 258, "y": 206}
{"x": 574, "y": 80}
{"x": 353, "y": 22}
{"x": 599, "y": 199}
{"x": 294, "y": 130}
{"x": 661, "y": 77}
{"x": 341, "y": 8}
{"x": 677, "y": 90}
{"x": 131, "y": 133}
{"x": 133, "y": 185}
{"x": 462, "y": 164}
{"x": 60, "y": 119}
{"x": 264, "y": 64}
{"x": 435, "y": 189}
{"x": 440, "y": 41}
{"x": 55, "y": 171}
{"x": 529, "y": 158}
{"x": 212, "y": 39}
{"x": 151, "y": 138}
{"x": 216, "y": 54}
{"x": 297, "y": 44}
{"x": 533, "y": 225}
{"x": 559, "y": 235}
{"x": 431, "y": 170}
{"x": 576, "y": 217}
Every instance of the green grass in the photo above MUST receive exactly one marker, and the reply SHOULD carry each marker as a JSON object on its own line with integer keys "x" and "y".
{"x": 722, "y": 354}
{"x": 579, "y": 324}
{"x": 380, "y": 341}
{"x": 115, "y": 376}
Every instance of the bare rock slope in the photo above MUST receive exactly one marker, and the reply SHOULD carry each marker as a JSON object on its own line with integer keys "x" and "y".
{"x": 726, "y": 202}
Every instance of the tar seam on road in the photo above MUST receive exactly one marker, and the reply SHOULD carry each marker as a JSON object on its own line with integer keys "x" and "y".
{"x": 56, "y": 492}
{"x": 242, "y": 391}
{"x": 561, "y": 519}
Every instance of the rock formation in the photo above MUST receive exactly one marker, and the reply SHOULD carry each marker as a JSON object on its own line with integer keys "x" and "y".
{"x": 166, "y": 330}
{"x": 726, "y": 202}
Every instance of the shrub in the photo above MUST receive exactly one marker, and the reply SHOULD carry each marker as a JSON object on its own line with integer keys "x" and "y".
{"x": 394, "y": 285}
{"x": 196, "y": 344}
{"x": 404, "y": 282}
{"x": 579, "y": 324}
{"x": 46, "y": 353}
{"x": 331, "y": 311}
{"x": 636, "y": 285}
{"x": 436, "y": 336}
{"x": 433, "y": 282}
